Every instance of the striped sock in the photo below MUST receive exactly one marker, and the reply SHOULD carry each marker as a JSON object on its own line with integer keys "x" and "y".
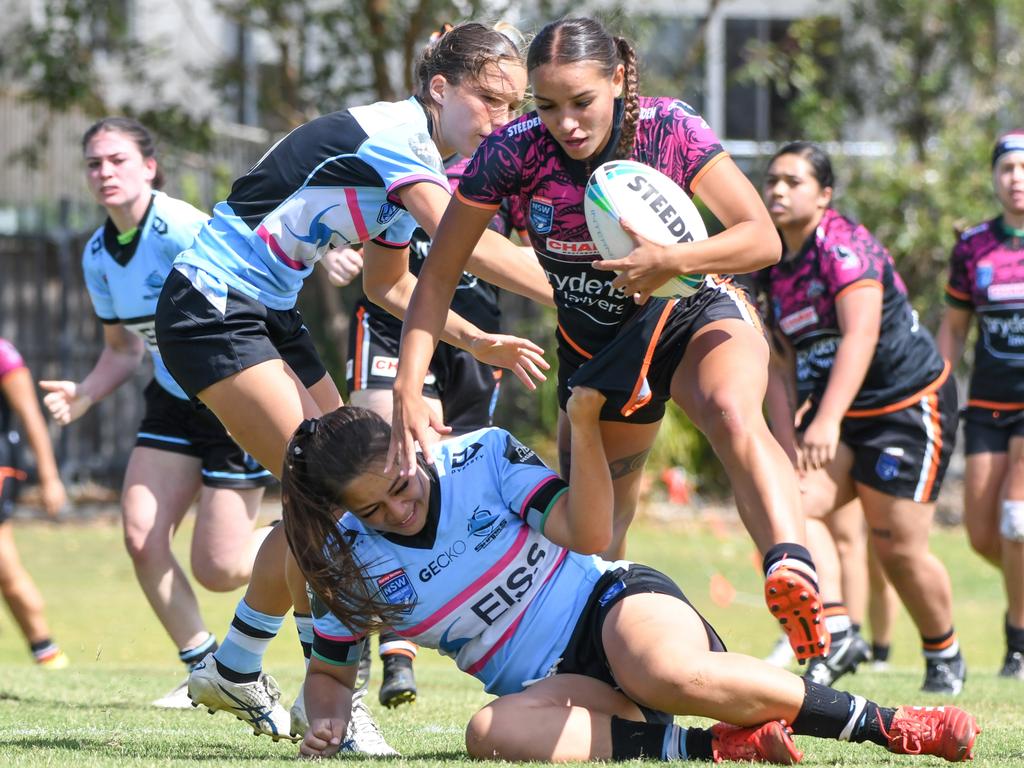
{"x": 193, "y": 655}
{"x": 247, "y": 639}
{"x": 837, "y": 620}
{"x": 632, "y": 740}
{"x": 793, "y": 556}
{"x": 44, "y": 650}
{"x": 942, "y": 647}
{"x": 393, "y": 644}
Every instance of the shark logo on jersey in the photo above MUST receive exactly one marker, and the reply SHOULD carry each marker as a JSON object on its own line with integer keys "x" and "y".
{"x": 319, "y": 233}
{"x": 387, "y": 213}
{"x": 448, "y": 646}
{"x": 159, "y": 225}
{"x": 465, "y": 456}
{"x": 542, "y": 214}
{"x": 396, "y": 588}
{"x": 154, "y": 284}
{"x": 423, "y": 147}
{"x": 481, "y": 521}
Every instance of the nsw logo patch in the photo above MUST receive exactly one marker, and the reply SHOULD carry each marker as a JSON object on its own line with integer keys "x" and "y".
{"x": 396, "y": 588}
{"x": 542, "y": 214}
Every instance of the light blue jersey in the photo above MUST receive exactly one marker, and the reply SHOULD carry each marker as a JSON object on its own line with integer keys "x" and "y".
{"x": 124, "y": 281}
{"x": 483, "y": 584}
{"x": 332, "y": 181}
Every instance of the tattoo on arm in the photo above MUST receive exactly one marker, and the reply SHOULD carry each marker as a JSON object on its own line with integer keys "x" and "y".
{"x": 628, "y": 464}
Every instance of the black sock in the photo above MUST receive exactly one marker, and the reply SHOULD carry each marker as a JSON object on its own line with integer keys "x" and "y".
{"x": 192, "y": 656}
{"x": 44, "y": 643}
{"x": 880, "y": 652}
{"x": 855, "y": 627}
{"x": 1014, "y": 636}
{"x": 831, "y": 714}
{"x": 632, "y": 740}
{"x": 698, "y": 744}
{"x": 790, "y": 551}
{"x": 236, "y": 677}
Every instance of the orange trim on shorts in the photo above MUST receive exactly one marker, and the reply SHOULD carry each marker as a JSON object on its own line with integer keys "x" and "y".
{"x": 357, "y": 361}
{"x": 474, "y": 204}
{"x": 635, "y": 402}
{"x": 957, "y": 294}
{"x": 12, "y": 473}
{"x": 572, "y": 343}
{"x": 707, "y": 167}
{"x": 933, "y": 470}
{"x": 993, "y": 405}
{"x": 947, "y": 643}
{"x": 865, "y": 283}
{"x": 905, "y": 402}
{"x": 738, "y": 294}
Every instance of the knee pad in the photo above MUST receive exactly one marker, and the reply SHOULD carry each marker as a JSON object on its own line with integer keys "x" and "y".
{"x": 1011, "y": 521}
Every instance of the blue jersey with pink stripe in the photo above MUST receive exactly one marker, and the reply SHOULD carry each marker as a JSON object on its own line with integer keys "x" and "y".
{"x": 481, "y": 582}
{"x": 524, "y": 160}
{"x": 330, "y": 182}
{"x": 986, "y": 276}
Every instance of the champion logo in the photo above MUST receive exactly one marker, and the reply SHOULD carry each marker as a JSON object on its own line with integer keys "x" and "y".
{"x": 805, "y": 317}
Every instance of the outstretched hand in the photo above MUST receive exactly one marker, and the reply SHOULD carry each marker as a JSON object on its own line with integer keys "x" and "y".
{"x": 521, "y": 356}
{"x": 63, "y": 401}
{"x": 412, "y": 422}
{"x": 647, "y": 267}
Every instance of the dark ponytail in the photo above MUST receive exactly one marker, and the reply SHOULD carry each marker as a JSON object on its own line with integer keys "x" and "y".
{"x": 574, "y": 39}
{"x": 323, "y": 457}
{"x": 135, "y": 131}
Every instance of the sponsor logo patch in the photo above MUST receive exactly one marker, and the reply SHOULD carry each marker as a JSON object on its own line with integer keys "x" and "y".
{"x": 888, "y": 465}
{"x": 586, "y": 248}
{"x": 983, "y": 277}
{"x": 384, "y": 366}
{"x": 465, "y": 456}
{"x": 805, "y": 317}
{"x": 387, "y": 212}
{"x": 1006, "y": 291}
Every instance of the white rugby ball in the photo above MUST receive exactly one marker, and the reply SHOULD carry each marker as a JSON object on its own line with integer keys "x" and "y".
{"x": 653, "y": 204}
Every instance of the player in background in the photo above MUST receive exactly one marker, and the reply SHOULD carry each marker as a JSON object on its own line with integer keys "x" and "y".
{"x": 180, "y": 453}
{"x": 986, "y": 281}
{"x": 707, "y": 352}
{"x": 572, "y": 645}
{"x": 227, "y": 325}
{"x": 18, "y": 399}
{"x": 882, "y": 419}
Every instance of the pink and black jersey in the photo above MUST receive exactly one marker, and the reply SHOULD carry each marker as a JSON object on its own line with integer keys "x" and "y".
{"x": 986, "y": 276}
{"x": 10, "y": 360}
{"x": 524, "y": 160}
{"x": 802, "y": 291}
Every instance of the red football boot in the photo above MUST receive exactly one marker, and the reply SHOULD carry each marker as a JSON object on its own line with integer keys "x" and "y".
{"x": 947, "y": 732}
{"x": 768, "y": 743}
{"x": 795, "y": 602}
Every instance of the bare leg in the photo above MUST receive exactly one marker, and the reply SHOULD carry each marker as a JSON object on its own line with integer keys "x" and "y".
{"x": 849, "y": 532}
{"x": 1013, "y": 550}
{"x": 884, "y": 603}
{"x": 984, "y": 480}
{"x": 224, "y": 544}
{"x": 159, "y": 487}
{"x": 19, "y": 590}
{"x": 900, "y": 529}
{"x": 721, "y": 383}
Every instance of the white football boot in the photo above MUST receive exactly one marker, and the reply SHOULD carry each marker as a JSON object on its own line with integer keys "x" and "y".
{"x": 176, "y": 698}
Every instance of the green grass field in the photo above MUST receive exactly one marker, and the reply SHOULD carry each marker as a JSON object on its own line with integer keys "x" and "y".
{"x": 96, "y": 714}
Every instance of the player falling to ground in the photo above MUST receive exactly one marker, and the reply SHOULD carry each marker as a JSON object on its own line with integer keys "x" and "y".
{"x": 180, "y": 452}
{"x": 572, "y": 645}
{"x": 882, "y": 419}
{"x": 707, "y": 352}
{"x": 461, "y": 389}
{"x": 18, "y": 399}
{"x": 226, "y": 321}
{"x": 986, "y": 280}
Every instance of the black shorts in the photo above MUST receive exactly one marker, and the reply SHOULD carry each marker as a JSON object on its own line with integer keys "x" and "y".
{"x": 585, "y": 654}
{"x": 905, "y": 452}
{"x": 201, "y": 346}
{"x": 10, "y": 484}
{"x": 989, "y": 431}
{"x": 468, "y": 389}
{"x": 634, "y": 370}
{"x": 178, "y": 426}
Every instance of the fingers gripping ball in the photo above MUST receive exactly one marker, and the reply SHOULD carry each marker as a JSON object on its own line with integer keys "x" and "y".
{"x": 654, "y": 205}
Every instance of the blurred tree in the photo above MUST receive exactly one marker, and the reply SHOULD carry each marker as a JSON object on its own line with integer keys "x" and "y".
{"x": 938, "y": 77}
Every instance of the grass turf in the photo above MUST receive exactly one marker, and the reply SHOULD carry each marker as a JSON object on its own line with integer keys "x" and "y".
{"x": 96, "y": 712}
